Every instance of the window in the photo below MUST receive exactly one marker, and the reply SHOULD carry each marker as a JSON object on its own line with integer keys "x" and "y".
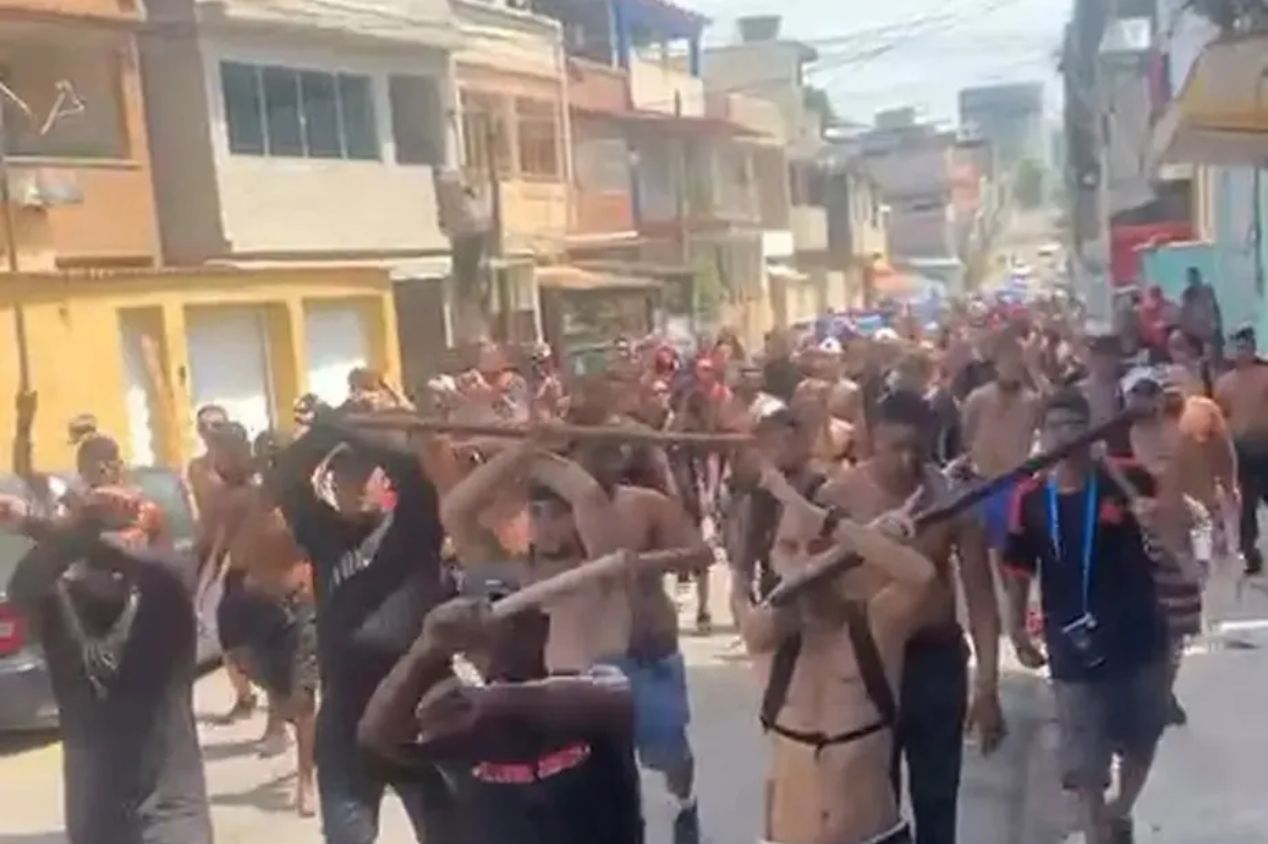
{"x": 417, "y": 130}
{"x": 243, "y": 111}
{"x": 538, "y": 143}
{"x": 483, "y": 122}
{"x": 282, "y": 111}
{"x": 321, "y": 115}
{"x": 361, "y": 139}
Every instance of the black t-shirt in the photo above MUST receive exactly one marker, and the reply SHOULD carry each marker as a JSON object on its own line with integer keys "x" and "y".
{"x": 374, "y": 583}
{"x": 1130, "y": 628}
{"x": 535, "y": 788}
{"x": 133, "y": 768}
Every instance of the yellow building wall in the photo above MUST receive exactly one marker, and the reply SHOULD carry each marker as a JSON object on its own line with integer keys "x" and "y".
{"x": 74, "y": 344}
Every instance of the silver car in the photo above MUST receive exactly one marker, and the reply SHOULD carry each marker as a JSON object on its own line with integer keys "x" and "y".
{"x": 26, "y": 695}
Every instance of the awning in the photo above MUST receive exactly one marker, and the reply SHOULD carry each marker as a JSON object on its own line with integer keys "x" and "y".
{"x": 783, "y": 272}
{"x": 1221, "y": 115}
{"x": 568, "y": 277}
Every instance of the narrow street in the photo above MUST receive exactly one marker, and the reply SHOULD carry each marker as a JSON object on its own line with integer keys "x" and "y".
{"x": 1207, "y": 786}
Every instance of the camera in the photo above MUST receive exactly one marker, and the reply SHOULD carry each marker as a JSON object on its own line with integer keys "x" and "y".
{"x": 1082, "y": 636}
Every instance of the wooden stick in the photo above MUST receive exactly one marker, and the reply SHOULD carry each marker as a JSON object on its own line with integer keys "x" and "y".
{"x": 396, "y": 420}
{"x": 793, "y": 586}
{"x": 610, "y": 565}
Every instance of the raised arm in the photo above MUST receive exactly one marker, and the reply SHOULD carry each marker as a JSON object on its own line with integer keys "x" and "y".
{"x": 592, "y": 508}
{"x": 24, "y": 448}
{"x": 460, "y": 508}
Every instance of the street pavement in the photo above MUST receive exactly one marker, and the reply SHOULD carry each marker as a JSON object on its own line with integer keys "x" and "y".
{"x": 1207, "y": 785}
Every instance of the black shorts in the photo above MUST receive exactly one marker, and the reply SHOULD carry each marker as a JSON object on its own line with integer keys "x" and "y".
{"x": 241, "y": 613}
{"x": 282, "y": 655}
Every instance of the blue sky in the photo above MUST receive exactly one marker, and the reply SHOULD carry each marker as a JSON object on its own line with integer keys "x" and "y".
{"x": 988, "y": 41}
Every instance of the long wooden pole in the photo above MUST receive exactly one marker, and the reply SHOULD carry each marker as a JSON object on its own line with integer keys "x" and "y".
{"x": 610, "y": 565}
{"x": 790, "y": 588}
{"x": 396, "y": 420}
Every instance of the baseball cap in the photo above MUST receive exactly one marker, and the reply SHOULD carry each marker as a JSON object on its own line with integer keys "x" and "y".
{"x": 1148, "y": 379}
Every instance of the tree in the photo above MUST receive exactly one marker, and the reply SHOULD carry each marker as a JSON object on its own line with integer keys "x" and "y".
{"x": 1029, "y": 184}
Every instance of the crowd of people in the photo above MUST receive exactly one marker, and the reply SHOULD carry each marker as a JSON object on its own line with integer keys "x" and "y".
{"x": 486, "y": 623}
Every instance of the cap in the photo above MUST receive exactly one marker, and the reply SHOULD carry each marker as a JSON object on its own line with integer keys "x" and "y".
{"x": 1148, "y": 379}
{"x": 830, "y": 345}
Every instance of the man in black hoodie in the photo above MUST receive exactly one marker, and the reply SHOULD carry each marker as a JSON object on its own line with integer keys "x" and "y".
{"x": 373, "y": 534}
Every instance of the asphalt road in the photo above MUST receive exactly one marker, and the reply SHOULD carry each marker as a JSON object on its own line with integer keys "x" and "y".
{"x": 1208, "y": 785}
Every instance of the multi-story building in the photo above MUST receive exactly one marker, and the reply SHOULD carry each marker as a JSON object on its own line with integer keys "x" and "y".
{"x": 292, "y": 137}
{"x": 1010, "y": 118}
{"x": 914, "y": 165}
{"x": 75, "y": 135}
{"x": 672, "y": 187}
{"x": 803, "y": 281}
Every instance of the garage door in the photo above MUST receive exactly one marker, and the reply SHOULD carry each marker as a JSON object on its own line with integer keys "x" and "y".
{"x": 229, "y": 364}
{"x": 337, "y": 342}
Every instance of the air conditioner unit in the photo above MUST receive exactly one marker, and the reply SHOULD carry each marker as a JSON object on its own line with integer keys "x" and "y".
{"x": 45, "y": 188}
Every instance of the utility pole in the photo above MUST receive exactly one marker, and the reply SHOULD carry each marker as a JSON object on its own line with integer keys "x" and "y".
{"x": 1086, "y": 133}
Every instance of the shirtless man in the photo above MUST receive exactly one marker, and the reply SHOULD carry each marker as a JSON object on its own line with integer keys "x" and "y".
{"x": 576, "y": 516}
{"x": 200, "y": 474}
{"x": 831, "y": 664}
{"x": 934, "y": 687}
{"x": 241, "y": 613}
{"x": 832, "y": 439}
{"x": 1242, "y": 392}
{"x": 281, "y": 651}
{"x": 1000, "y": 420}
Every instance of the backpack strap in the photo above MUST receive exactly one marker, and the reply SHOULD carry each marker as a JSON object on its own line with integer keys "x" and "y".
{"x": 868, "y": 656}
{"x": 781, "y": 672}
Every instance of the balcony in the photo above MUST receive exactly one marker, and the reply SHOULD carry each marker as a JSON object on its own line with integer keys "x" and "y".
{"x": 809, "y": 224}
{"x": 428, "y": 22}
{"x": 758, "y": 116}
{"x": 665, "y": 89}
{"x": 72, "y": 212}
{"x": 594, "y": 87}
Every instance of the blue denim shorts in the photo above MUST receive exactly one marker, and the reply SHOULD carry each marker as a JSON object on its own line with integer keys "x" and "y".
{"x": 661, "y": 709}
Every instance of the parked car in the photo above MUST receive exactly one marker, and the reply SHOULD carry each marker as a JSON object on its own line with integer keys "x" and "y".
{"x": 26, "y": 696}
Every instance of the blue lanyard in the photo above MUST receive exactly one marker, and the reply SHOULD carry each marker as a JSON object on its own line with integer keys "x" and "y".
{"x": 1089, "y": 531}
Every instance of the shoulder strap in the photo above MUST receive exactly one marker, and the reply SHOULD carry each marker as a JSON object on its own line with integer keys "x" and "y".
{"x": 782, "y": 666}
{"x": 871, "y": 669}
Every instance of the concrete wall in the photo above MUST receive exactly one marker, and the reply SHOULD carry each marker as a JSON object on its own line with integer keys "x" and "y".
{"x": 915, "y": 169}
{"x": 769, "y": 69}
{"x": 77, "y": 359}
{"x": 276, "y": 204}
{"x": 602, "y": 199}
{"x": 662, "y": 88}
{"x": 182, "y": 147}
